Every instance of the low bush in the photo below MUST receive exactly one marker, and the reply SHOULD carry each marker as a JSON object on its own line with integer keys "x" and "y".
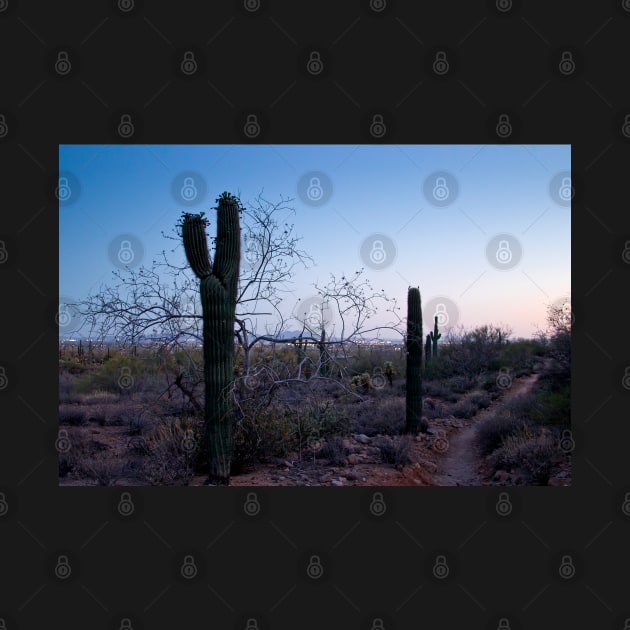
{"x": 73, "y": 415}
{"x": 334, "y": 451}
{"x": 492, "y": 431}
{"x": 396, "y": 450}
{"x": 384, "y": 417}
{"x": 532, "y": 451}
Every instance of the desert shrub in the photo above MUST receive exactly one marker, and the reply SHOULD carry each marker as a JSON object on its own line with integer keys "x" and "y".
{"x": 119, "y": 375}
{"x": 172, "y": 446}
{"x": 488, "y": 382}
{"x": 67, "y": 384}
{"x": 82, "y": 449}
{"x": 73, "y": 415}
{"x": 397, "y": 450}
{"x": 385, "y": 417}
{"x": 438, "y": 389}
{"x": 530, "y": 450}
{"x": 361, "y": 381}
{"x": 491, "y": 432}
{"x": 481, "y": 400}
{"x": 99, "y": 397}
{"x": 105, "y": 471}
{"x": 334, "y": 451}
{"x": 460, "y": 384}
{"x": 465, "y": 408}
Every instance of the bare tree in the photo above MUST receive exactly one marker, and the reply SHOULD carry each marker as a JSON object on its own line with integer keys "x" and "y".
{"x": 160, "y": 304}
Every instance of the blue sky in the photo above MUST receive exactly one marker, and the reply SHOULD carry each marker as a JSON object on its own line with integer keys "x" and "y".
{"x": 483, "y": 230}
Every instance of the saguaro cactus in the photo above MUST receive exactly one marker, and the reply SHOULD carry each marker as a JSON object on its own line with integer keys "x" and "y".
{"x": 218, "y": 288}
{"x": 414, "y": 422}
{"x": 427, "y": 350}
{"x": 324, "y": 357}
{"x": 435, "y": 335}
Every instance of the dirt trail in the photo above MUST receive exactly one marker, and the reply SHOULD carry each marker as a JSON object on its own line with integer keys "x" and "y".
{"x": 460, "y": 463}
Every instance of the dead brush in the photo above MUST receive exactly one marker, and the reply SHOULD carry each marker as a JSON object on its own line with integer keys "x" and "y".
{"x": 172, "y": 449}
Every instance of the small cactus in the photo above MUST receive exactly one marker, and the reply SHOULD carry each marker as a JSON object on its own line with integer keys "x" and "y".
{"x": 427, "y": 351}
{"x": 389, "y": 372}
{"x": 435, "y": 335}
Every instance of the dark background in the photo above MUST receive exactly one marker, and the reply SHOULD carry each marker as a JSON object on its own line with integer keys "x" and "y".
{"x": 376, "y": 58}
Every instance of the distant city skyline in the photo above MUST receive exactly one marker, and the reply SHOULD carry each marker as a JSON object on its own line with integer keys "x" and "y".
{"x": 483, "y": 230}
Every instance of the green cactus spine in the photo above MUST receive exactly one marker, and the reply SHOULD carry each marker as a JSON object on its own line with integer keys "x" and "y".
{"x": 218, "y": 288}
{"x": 414, "y": 422}
{"x": 427, "y": 350}
{"x": 435, "y": 335}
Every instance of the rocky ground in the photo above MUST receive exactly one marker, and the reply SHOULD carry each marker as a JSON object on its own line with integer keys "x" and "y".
{"x": 445, "y": 456}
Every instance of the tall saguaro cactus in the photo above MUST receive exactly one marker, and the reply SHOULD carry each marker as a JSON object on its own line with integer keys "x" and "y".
{"x": 218, "y": 288}
{"x": 427, "y": 351}
{"x": 435, "y": 335}
{"x": 414, "y": 422}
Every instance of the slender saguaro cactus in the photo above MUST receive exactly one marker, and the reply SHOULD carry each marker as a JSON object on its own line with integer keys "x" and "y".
{"x": 324, "y": 357}
{"x": 427, "y": 351}
{"x": 414, "y": 422}
{"x": 218, "y": 288}
{"x": 435, "y": 335}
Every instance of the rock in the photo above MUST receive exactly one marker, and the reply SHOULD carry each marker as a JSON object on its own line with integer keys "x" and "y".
{"x": 428, "y": 465}
{"x": 353, "y": 459}
{"x": 326, "y": 478}
{"x": 352, "y": 476}
{"x": 562, "y": 474}
{"x": 336, "y": 482}
{"x": 363, "y": 439}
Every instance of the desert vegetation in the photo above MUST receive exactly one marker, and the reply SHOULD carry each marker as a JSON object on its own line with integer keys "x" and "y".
{"x": 208, "y": 399}
{"x": 134, "y": 415}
